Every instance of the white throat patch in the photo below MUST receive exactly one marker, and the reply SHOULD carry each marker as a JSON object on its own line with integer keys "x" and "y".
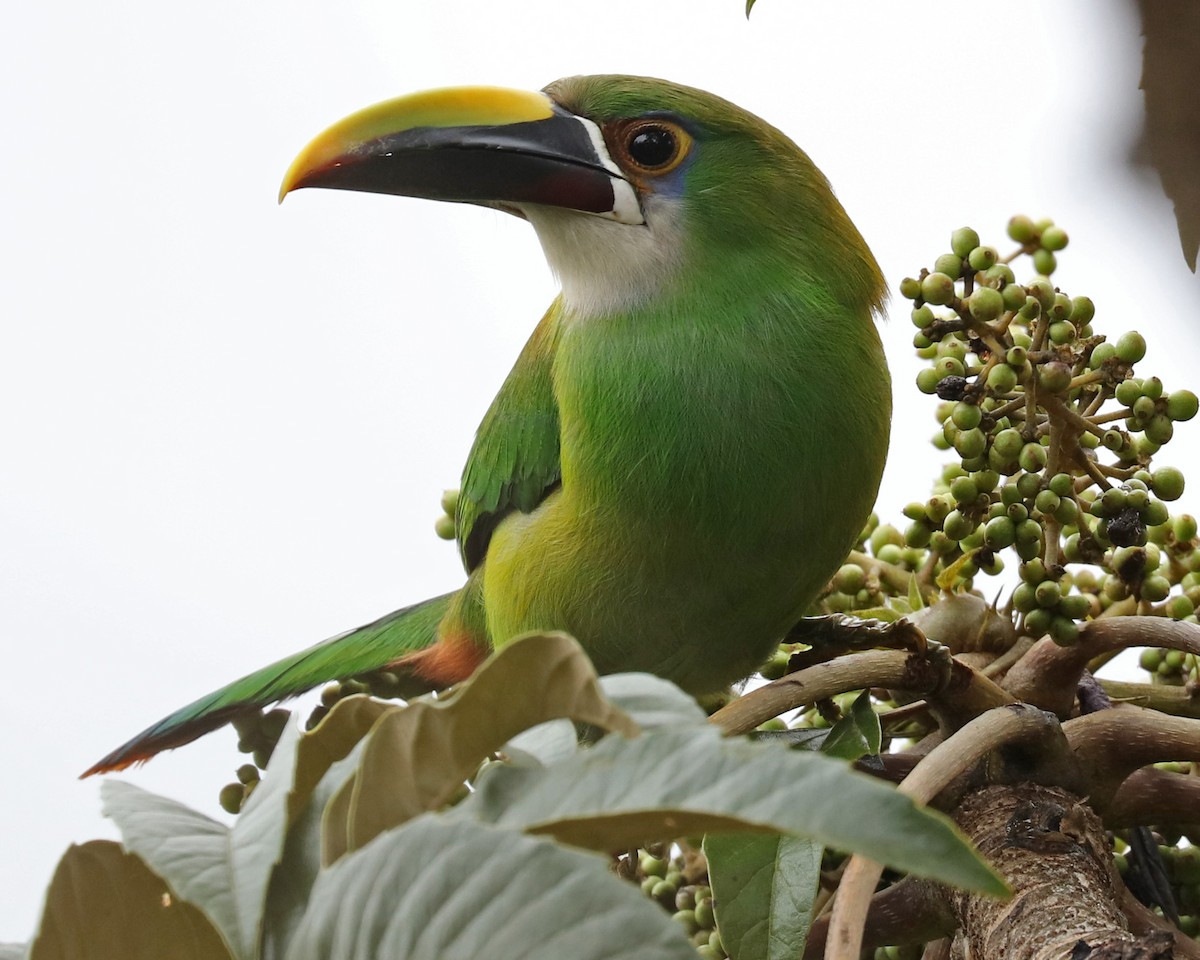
{"x": 605, "y": 266}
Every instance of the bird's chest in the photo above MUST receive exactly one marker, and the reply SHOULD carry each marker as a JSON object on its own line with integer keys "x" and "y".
{"x": 677, "y": 423}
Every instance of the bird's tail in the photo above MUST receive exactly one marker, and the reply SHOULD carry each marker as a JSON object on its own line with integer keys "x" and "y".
{"x": 350, "y": 654}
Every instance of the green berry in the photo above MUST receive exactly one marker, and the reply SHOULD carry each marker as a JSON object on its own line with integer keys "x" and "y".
{"x": 1064, "y": 631}
{"x": 1160, "y": 429}
{"x": 1102, "y": 352}
{"x": 998, "y": 275}
{"x": 949, "y": 264}
{"x": 1152, "y": 387}
{"x": 914, "y": 511}
{"x": 1180, "y": 607}
{"x": 937, "y": 288}
{"x": 231, "y": 797}
{"x": 1063, "y": 484}
{"x": 1008, "y": 443}
{"x": 910, "y": 288}
{"x": 922, "y": 316}
{"x": 1021, "y": 228}
{"x": 704, "y": 913}
{"x": 1129, "y": 392}
{"x": 1043, "y": 291}
{"x": 1062, "y": 331}
{"x": 1168, "y": 483}
{"x": 1014, "y": 296}
{"x": 1047, "y": 594}
{"x": 949, "y": 367}
{"x": 1074, "y": 605}
{"x": 917, "y": 534}
{"x": 850, "y": 578}
{"x": 963, "y": 241}
{"x": 1032, "y": 457}
{"x": 444, "y": 527}
{"x": 450, "y": 501}
{"x": 1002, "y": 379}
{"x": 1047, "y": 502}
{"x": 1017, "y": 357}
{"x": 1038, "y": 621}
{"x": 999, "y": 533}
{"x": 1054, "y": 376}
{"x": 1150, "y": 659}
{"x": 1155, "y": 588}
{"x": 1182, "y": 405}
{"x": 966, "y": 416}
{"x": 1054, "y": 238}
{"x": 1082, "y": 311}
{"x": 1131, "y": 347}
{"x": 964, "y": 490}
{"x": 985, "y": 480}
{"x": 982, "y": 258}
{"x": 970, "y": 443}
{"x": 957, "y": 526}
{"x": 1029, "y": 531}
{"x": 1023, "y": 598}
{"x": 985, "y": 304}
{"x": 1044, "y": 262}
{"x": 928, "y": 379}
{"x": 1185, "y": 528}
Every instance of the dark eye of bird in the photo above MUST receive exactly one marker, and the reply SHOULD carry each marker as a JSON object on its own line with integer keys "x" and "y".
{"x": 652, "y": 147}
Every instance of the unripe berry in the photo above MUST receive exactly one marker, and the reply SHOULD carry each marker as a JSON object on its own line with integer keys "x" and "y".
{"x": 1131, "y": 347}
{"x": 1054, "y": 238}
{"x": 922, "y": 316}
{"x": 949, "y": 264}
{"x": 1021, "y": 228}
{"x": 1168, "y": 483}
{"x": 1002, "y": 378}
{"x": 1062, "y": 331}
{"x": 910, "y": 288}
{"x": 1082, "y": 311}
{"x": 985, "y": 304}
{"x": 1054, "y": 376}
{"x": 937, "y": 288}
{"x": 1182, "y": 405}
{"x": 963, "y": 241}
{"x": 983, "y": 258}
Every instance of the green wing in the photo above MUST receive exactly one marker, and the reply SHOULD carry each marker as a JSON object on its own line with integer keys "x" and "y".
{"x": 513, "y": 463}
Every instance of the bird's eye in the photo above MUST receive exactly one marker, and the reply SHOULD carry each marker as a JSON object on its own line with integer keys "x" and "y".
{"x": 653, "y": 147}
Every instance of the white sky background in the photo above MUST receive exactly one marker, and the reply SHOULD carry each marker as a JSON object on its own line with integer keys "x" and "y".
{"x": 226, "y": 425}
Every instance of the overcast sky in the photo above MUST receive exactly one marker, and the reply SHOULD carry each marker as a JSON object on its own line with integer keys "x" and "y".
{"x": 226, "y": 424}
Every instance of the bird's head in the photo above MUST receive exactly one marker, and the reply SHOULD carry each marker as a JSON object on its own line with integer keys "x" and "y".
{"x": 634, "y": 185}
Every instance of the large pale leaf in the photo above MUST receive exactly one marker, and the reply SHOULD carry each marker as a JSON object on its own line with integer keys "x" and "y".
{"x": 678, "y": 781}
{"x": 763, "y": 888}
{"x": 651, "y": 701}
{"x": 291, "y": 884}
{"x": 104, "y": 902}
{"x": 455, "y": 890}
{"x": 416, "y": 758}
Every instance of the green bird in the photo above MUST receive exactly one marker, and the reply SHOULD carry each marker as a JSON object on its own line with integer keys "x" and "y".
{"x": 690, "y": 441}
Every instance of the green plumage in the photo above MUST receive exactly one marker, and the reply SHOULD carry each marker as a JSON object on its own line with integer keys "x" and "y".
{"x": 690, "y": 441}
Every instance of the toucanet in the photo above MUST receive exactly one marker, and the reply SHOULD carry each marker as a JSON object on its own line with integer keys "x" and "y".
{"x": 693, "y": 436}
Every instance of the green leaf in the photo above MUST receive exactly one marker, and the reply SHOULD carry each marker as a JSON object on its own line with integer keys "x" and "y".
{"x": 418, "y": 756}
{"x": 763, "y": 891}
{"x": 104, "y": 902}
{"x": 857, "y": 734}
{"x": 222, "y": 870}
{"x": 440, "y": 890}
{"x": 651, "y": 701}
{"x": 749, "y": 6}
{"x": 915, "y": 600}
{"x": 677, "y": 781}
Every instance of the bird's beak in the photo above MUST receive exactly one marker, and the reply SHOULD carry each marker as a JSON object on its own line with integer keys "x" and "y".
{"x": 485, "y": 145}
